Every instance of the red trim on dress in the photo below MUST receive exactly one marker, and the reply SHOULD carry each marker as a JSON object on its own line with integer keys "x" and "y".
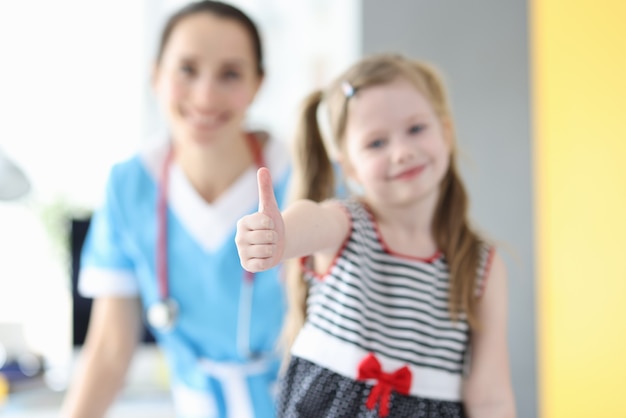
{"x": 483, "y": 283}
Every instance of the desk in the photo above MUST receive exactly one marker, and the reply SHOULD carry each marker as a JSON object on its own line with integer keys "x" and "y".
{"x": 145, "y": 395}
{"x": 132, "y": 403}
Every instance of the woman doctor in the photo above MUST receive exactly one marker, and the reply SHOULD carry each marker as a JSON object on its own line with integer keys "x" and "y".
{"x": 162, "y": 245}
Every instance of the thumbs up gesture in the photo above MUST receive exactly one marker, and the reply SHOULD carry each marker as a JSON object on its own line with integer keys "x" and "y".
{"x": 260, "y": 236}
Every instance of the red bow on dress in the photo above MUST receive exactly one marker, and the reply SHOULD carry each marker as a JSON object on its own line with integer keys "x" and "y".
{"x": 400, "y": 381}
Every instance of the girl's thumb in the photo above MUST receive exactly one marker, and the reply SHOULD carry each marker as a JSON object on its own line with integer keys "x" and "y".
{"x": 267, "y": 200}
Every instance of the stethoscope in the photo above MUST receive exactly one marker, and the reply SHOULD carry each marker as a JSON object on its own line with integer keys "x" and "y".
{"x": 162, "y": 315}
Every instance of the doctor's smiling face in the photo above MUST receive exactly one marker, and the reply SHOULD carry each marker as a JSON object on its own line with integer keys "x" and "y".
{"x": 207, "y": 73}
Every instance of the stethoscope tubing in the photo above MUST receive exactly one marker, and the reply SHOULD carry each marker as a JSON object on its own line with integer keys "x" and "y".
{"x": 244, "y": 315}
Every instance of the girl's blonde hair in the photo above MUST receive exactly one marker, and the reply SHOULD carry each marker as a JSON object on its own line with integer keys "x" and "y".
{"x": 313, "y": 178}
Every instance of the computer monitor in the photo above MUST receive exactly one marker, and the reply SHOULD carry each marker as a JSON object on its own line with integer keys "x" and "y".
{"x": 81, "y": 306}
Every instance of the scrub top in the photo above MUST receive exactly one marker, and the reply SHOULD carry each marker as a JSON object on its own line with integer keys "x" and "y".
{"x": 210, "y": 376}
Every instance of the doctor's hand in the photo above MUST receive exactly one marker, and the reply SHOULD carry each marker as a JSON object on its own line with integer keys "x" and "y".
{"x": 261, "y": 236}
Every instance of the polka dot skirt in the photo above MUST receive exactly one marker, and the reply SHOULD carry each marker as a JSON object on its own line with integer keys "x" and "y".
{"x": 310, "y": 391}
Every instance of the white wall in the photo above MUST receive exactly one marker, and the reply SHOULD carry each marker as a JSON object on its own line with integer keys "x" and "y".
{"x": 69, "y": 106}
{"x": 75, "y": 97}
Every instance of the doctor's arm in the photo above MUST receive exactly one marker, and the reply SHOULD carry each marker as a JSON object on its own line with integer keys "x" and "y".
{"x": 113, "y": 335}
{"x": 488, "y": 392}
{"x": 267, "y": 237}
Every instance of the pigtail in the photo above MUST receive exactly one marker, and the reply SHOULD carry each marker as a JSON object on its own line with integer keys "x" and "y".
{"x": 451, "y": 227}
{"x": 460, "y": 244}
{"x": 313, "y": 179}
{"x": 313, "y": 176}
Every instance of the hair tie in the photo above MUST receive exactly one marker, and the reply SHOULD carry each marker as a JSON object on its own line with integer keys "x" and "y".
{"x": 348, "y": 90}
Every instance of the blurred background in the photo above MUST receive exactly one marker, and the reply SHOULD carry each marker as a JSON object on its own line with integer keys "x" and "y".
{"x": 539, "y": 98}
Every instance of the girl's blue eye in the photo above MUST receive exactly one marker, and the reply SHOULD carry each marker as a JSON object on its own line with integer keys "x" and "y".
{"x": 377, "y": 143}
{"x": 415, "y": 129}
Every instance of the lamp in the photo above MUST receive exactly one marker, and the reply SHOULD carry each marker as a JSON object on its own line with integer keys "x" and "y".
{"x": 13, "y": 181}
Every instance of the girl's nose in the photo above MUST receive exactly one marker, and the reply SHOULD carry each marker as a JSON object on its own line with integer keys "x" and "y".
{"x": 403, "y": 151}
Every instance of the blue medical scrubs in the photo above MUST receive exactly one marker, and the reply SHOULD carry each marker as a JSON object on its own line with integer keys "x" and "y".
{"x": 211, "y": 377}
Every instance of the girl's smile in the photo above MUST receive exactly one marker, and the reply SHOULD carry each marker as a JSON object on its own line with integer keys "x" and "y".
{"x": 410, "y": 173}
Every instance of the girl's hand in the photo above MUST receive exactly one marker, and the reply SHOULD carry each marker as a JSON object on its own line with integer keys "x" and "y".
{"x": 261, "y": 236}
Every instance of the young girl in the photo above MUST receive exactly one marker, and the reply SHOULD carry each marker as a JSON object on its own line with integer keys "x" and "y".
{"x": 162, "y": 245}
{"x": 398, "y": 286}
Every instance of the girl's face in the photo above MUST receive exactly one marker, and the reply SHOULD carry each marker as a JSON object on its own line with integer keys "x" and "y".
{"x": 396, "y": 147}
{"x": 207, "y": 78}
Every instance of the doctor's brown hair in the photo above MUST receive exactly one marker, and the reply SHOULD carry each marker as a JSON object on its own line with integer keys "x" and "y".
{"x": 223, "y": 11}
{"x": 313, "y": 179}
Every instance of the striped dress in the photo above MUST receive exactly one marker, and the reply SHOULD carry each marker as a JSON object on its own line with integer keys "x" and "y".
{"x": 378, "y": 340}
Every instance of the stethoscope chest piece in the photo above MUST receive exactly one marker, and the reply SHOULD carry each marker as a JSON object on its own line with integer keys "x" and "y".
{"x": 162, "y": 314}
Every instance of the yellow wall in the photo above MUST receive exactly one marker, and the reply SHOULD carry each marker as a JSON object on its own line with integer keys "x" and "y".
{"x": 579, "y": 111}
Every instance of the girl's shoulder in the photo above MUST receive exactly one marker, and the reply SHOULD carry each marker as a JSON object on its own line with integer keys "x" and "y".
{"x": 354, "y": 206}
